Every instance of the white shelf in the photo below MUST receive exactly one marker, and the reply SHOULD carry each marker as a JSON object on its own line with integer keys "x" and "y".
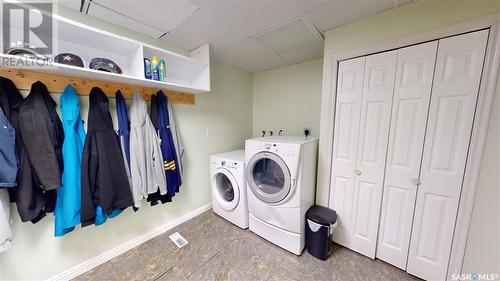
{"x": 184, "y": 74}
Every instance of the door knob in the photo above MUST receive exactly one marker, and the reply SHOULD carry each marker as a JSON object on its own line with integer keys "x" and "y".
{"x": 416, "y": 181}
{"x": 357, "y": 172}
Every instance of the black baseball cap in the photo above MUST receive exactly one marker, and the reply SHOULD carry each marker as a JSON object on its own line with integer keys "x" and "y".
{"x": 105, "y": 64}
{"x": 69, "y": 59}
{"x": 24, "y": 50}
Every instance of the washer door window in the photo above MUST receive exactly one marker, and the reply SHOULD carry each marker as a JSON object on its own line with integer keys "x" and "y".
{"x": 226, "y": 190}
{"x": 268, "y": 177}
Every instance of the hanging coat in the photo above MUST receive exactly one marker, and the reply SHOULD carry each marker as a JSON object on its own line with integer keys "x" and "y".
{"x": 146, "y": 161}
{"x": 41, "y": 159}
{"x": 154, "y": 112}
{"x": 104, "y": 178}
{"x": 5, "y": 230}
{"x": 124, "y": 134}
{"x": 123, "y": 126}
{"x": 67, "y": 210}
{"x": 179, "y": 148}
{"x": 8, "y": 157}
{"x": 10, "y": 102}
{"x": 167, "y": 146}
{"x": 154, "y": 198}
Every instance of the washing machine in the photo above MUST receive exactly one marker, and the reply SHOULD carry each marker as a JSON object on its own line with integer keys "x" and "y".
{"x": 229, "y": 194}
{"x": 281, "y": 183}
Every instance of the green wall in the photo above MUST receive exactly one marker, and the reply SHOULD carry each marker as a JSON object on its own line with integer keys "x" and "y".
{"x": 288, "y": 99}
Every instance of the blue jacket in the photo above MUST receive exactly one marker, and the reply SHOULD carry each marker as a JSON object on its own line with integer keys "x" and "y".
{"x": 123, "y": 125}
{"x": 169, "y": 154}
{"x": 68, "y": 204}
{"x": 8, "y": 158}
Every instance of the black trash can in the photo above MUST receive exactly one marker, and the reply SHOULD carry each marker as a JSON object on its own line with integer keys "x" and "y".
{"x": 320, "y": 225}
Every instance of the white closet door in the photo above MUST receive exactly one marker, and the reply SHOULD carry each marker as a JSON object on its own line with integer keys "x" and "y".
{"x": 412, "y": 92}
{"x": 378, "y": 89}
{"x": 348, "y": 105}
{"x": 458, "y": 73}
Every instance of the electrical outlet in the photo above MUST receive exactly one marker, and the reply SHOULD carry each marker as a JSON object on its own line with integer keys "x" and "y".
{"x": 307, "y": 132}
{"x": 208, "y": 132}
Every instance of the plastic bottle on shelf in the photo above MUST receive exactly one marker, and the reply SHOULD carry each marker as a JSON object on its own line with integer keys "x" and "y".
{"x": 162, "y": 70}
{"x": 147, "y": 68}
{"x": 155, "y": 68}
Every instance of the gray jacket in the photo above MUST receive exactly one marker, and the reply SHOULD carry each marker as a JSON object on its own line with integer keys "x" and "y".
{"x": 5, "y": 230}
{"x": 146, "y": 162}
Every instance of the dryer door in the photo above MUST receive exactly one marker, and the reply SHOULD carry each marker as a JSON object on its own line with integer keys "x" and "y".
{"x": 225, "y": 189}
{"x": 268, "y": 177}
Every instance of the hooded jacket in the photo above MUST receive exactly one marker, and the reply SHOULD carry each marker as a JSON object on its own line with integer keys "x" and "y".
{"x": 146, "y": 161}
{"x": 104, "y": 178}
{"x": 41, "y": 158}
{"x": 8, "y": 156}
{"x": 67, "y": 210}
{"x": 10, "y": 102}
{"x": 169, "y": 154}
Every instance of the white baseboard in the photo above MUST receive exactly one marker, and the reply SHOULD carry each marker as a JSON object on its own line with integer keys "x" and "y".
{"x": 106, "y": 256}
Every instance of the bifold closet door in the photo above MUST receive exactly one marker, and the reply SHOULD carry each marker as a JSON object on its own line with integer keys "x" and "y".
{"x": 376, "y": 103}
{"x": 347, "y": 113}
{"x": 410, "y": 106}
{"x": 455, "y": 88}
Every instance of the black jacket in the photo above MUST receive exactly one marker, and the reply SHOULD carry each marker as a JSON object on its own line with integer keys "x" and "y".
{"x": 41, "y": 157}
{"x": 104, "y": 178}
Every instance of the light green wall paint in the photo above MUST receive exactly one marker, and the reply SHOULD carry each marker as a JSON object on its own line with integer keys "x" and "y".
{"x": 482, "y": 253}
{"x": 288, "y": 99}
{"x": 425, "y": 15}
{"x": 226, "y": 111}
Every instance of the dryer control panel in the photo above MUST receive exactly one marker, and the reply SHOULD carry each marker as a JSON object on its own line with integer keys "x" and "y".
{"x": 285, "y": 150}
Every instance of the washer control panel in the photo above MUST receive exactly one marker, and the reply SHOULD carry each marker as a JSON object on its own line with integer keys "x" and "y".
{"x": 226, "y": 164}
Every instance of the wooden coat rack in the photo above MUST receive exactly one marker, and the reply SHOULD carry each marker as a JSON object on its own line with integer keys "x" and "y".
{"x": 23, "y": 79}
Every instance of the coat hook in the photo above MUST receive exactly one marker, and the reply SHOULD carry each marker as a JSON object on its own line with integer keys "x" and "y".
{"x": 20, "y": 74}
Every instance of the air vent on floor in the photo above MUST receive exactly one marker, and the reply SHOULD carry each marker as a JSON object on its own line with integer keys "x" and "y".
{"x": 178, "y": 240}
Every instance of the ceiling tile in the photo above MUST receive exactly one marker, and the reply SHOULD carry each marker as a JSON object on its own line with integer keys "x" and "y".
{"x": 204, "y": 27}
{"x": 73, "y": 4}
{"x": 333, "y": 14}
{"x": 247, "y": 47}
{"x": 306, "y": 5}
{"x": 251, "y": 56}
{"x": 111, "y": 16}
{"x": 304, "y": 53}
{"x": 252, "y": 17}
{"x": 164, "y": 15}
{"x": 290, "y": 35}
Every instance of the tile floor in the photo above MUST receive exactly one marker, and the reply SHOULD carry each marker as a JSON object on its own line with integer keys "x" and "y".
{"x": 218, "y": 250}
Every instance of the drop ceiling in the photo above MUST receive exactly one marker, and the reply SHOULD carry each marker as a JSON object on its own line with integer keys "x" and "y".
{"x": 253, "y": 35}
